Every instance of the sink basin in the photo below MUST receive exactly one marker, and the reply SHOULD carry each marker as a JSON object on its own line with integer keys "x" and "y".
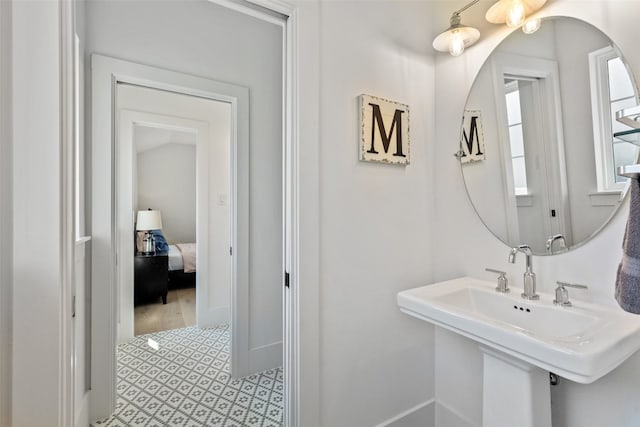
{"x": 581, "y": 343}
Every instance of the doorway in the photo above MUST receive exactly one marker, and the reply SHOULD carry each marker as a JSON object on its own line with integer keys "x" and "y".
{"x": 529, "y": 119}
{"x": 246, "y": 357}
{"x": 161, "y": 42}
{"x": 164, "y": 181}
{"x": 157, "y": 45}
{"x": 531, "y": 158}
{"x": 221, "y": 151}
{"x": 173, "y": 154}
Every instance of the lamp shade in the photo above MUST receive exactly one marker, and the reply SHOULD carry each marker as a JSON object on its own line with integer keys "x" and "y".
{"x": 148, "y": 220}
{"x": 455, "y": 38}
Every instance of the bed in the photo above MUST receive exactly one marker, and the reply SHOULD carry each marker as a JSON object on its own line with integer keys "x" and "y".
{"x": 182, "y": 265}
{"x": 182, "y": 258}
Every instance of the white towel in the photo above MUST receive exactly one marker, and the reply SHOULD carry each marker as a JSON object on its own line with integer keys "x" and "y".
{"x": 628, "y": 276}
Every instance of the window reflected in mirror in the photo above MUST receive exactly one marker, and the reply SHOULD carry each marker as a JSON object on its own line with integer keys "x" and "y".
{"x": 516, "y": 138}
{"x": 612, "y": 90}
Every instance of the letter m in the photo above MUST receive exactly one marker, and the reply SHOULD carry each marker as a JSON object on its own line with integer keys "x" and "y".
{"x": 471, "y": 141}
{"x": 396, "y": 125}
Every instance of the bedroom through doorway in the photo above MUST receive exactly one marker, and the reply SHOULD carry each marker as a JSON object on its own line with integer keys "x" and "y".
{"x": 247, "y": 77}
{"x": 217, "y": 352}
{"x": 165, "y": 209}
{"x": 174, "y": 212}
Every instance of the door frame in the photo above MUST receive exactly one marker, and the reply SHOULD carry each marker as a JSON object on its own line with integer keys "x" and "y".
{"x": 106, "y": 74}
{"x": 549, "y": 76}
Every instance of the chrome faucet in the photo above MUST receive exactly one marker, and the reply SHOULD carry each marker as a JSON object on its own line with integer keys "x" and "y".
{"x": 529, "y": 275}
{"x": 552, "y": 239}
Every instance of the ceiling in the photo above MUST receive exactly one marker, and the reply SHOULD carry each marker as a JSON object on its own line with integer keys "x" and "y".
{"x": 148, "y": 137}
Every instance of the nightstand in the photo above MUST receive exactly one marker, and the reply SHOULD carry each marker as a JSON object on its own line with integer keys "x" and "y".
{"x": 151, "y": 277}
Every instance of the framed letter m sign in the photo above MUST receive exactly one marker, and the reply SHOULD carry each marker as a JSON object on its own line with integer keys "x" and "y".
{"x": 384, "y": 131}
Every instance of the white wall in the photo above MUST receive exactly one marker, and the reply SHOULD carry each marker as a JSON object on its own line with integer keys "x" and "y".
{"x": 167, "y": 181}
{"x": 30, "y": 160}
{"x": 375, "y": 238}
{"x": 308, "y": 221}
{"x": 83, "y": 252}
{"x": 36, "y": 159}
{"x": 6, "y": 229}
{"x": 214, "y": 36}
{"x": 82, "y": 361}
{"x": 593, "y": 264}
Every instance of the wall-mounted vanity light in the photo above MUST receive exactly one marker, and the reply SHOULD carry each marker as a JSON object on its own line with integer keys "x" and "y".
{"x": 457, "y": 37}
{"x": 514, "y": 13}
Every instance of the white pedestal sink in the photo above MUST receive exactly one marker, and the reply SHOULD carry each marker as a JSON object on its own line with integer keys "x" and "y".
{"x": 522, "y": 341}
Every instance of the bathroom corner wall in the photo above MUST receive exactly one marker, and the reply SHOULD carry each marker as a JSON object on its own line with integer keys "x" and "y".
{"x": 35, "y": 178}
{"x": 375, "y": 363}
{"x": 457, "y": 360}
{"x": 6, "y": 207}
{"x": 172, "y": 192}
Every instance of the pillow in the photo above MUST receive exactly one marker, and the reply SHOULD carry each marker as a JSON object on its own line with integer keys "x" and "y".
{"x": 162, "y": 247}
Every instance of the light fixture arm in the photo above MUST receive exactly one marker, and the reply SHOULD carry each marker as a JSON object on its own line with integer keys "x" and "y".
{"x": 465, "y": 7}
{"x": 454, "y": 22}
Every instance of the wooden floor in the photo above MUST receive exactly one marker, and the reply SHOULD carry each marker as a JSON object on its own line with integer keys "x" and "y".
{"x": 178, "y": 312}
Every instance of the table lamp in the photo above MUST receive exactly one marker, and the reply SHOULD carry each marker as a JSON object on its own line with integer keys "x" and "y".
{"x": 146, "y": 221}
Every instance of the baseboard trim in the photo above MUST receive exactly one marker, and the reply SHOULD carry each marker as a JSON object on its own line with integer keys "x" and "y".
{"x": 214, "y": 317}
{"x": 265, "y": 357}
{"x": 445, "y": 415}
{"x": 82, "y": 413}
{"x": 424, "y": 406}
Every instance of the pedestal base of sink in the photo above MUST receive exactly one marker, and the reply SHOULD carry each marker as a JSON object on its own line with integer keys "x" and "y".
{"x": 515, "y": 393}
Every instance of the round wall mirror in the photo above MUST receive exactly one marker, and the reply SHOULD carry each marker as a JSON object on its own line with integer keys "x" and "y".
{"x": 540, "y": 142}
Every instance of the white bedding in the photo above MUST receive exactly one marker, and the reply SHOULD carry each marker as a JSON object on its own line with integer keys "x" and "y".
{"x": 177, "y": 257}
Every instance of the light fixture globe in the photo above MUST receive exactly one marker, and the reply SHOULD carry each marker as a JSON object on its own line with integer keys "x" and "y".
{"x": 456, "y": 38}
{"x": 512, "y": 12}
{"x": 531, "y": 25}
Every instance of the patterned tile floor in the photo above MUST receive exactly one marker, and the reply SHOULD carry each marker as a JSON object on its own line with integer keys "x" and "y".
{"x": 180, "y": 378}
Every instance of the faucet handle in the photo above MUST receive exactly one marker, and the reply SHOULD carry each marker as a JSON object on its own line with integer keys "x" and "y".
{"x": 571, "y": 285}
{"x": 503, "y": 282}
{"x": 562, "y": 295}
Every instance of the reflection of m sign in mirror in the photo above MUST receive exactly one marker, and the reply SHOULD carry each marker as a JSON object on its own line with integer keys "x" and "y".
{"x": 471, "y": 138}
{"x": 384, "y": 128}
